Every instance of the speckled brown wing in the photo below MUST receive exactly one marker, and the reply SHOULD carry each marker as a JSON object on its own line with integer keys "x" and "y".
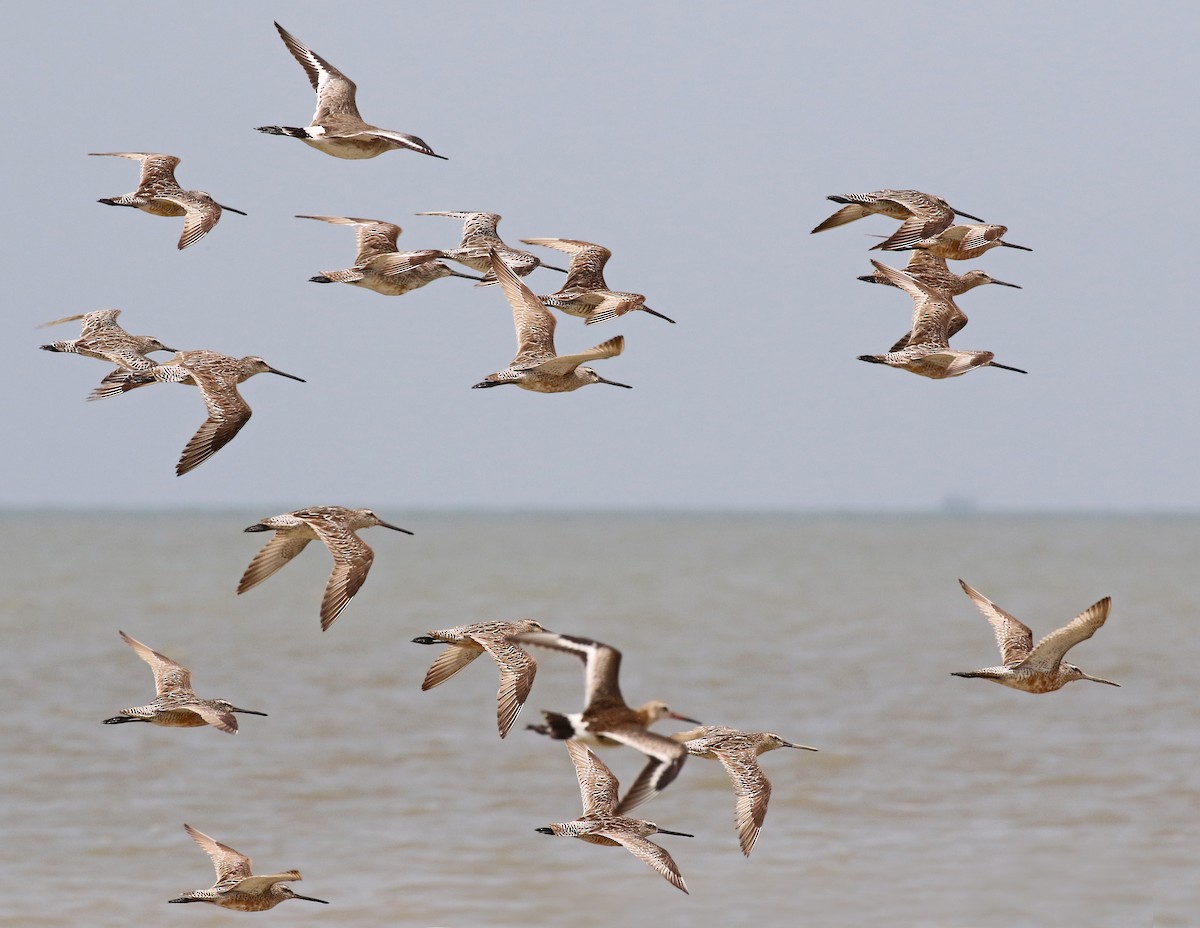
{"x": 283, "y": 546}
{"x": 227, "y": 414}
{"x": 1049, "y": 652}
{"x": 533, "y": 322}
{"x": 229, "y": 864}
{"x": 650, "y": 853}
{"x": 169, "y": 677}
{"x": 597, "y": 785}
{"x": 752, "y": 789}
{"x": 517, "y": 670}
{"x": 352, "y": 559}
{"x": 1014, "y": 637}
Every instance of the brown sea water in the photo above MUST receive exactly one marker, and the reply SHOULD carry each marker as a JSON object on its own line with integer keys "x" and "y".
{"x": 934, "y": 801}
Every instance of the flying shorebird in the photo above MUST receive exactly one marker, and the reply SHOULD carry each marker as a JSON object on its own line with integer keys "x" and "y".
{"x": 962, "y": 243}
{"x": 479, "y": 240}
{"x": 380, "y": 265}
{"x": 602, "y": 822}
{"x": 217, "y": 376}
{"x": 236, "y": 888}
{"x": 176, "y": 704}
{"x": 467, "y": 642}
{"x": 159, "y": 194}
{"x": 923, "y": 214}
{"x": 926, "y": 350}
{"x": 738, "y": 753}
{"x": 336, "y": 127}
{"x": 606, "y": 720}
{"x": 585, "y": 293}
{"x": 931, "y": 270}
{"x": 102, "y": 337}
{"x": 334, "y": 526}
{"x": 536, "y": 366}
{"x": 1039, "y": 669}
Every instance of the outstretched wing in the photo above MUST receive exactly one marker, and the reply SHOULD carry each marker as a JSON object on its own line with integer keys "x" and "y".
{"x": 169, "y": 677}
{"x": 1014, "y": 637}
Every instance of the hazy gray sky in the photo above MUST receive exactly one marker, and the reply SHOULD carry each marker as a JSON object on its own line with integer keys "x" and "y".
{"x": 697, "y": 141}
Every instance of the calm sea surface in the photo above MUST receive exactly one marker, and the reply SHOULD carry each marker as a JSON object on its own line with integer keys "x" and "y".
{"x": 934, "y": 800}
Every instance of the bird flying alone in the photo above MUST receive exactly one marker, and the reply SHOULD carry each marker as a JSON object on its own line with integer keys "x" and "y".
{"x": 159, "y": 194}
{"x": 236, "y": 887}
{"x": 1040, "y": 668}
{"x": 337, "y": 128}
{"x": 175, "y": 704}
{"x": 601, "y": 823}
{"x": 335, "y": 526}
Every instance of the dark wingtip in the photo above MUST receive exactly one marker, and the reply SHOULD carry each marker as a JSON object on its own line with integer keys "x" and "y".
{"x": 257, "y": 527}
{"x": 321, "y": 279}
{"x": 870, "y": 358}
{"x": 424, "y": 639}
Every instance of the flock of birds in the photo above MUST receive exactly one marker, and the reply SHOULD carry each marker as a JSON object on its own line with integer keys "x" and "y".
{"x": 927, "y": 230}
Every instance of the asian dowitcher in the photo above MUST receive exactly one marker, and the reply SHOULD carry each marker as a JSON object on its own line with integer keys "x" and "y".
{"x": 236, "y": 887}
{"x": 606, "y": 720}
{"x": 1039, "y": 669}
{"x": 602, "y": 822}
{"x": 467, "y": 642}
{"x": 334, "y": 526}
{"x": 536, "y": 366}
{"x": 962, "y": 243}
{"x": 925, "y": 350}
{"x": 923, "y": 214}
{"x": 336, "y": 128}
{"x": 102, "y": 337}
{"x": 738, "y": 753}
{"x": 931, "y": 269}
{"x": 159, "y": 194}
{"x": 380, "y": 265}
{"x": 585, "y": 293}
{"x": 480, "y": 239}
{"x": 175, "y": 703}
{"x": 217, "y": 376}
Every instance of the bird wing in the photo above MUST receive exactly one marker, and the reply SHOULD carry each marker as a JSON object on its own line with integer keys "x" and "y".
{"x": 586, "y": 269}
{"x": 753, "y": 792}
{"x": 932, "y": 309}
{"x": 1014, "y": 637}
{"x": 411, "y": 142}
{"x": 335, "y": 91}
{"x": 229, "y": 864}
{"x": 846, "y": 214}
{"x": 650, "y": 853}
{"x": 534, "y": 323}
{"x": 927, "y": 219}
{"x": 601, "y": 665}
{"x": 157, "y": 169}
{"x": 566, "y": 363}
{"x": 257, "y": 885}
{"x": 374, "y": 237}
{"x": 226, "y": 721}
{"x": 448, "y": 663}
{"x": 199, "y": 217}
{"x": 169, "y": 677}
{"x": 1050, "y": 650}
{"x": 666, "y": 760}
{"x": 597, "y": 785}
{"x": 352, "y": 559}
{"x": 517, "y": 670}
{"x": 284, "y": 545}
{"x": 227, "y": 413}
